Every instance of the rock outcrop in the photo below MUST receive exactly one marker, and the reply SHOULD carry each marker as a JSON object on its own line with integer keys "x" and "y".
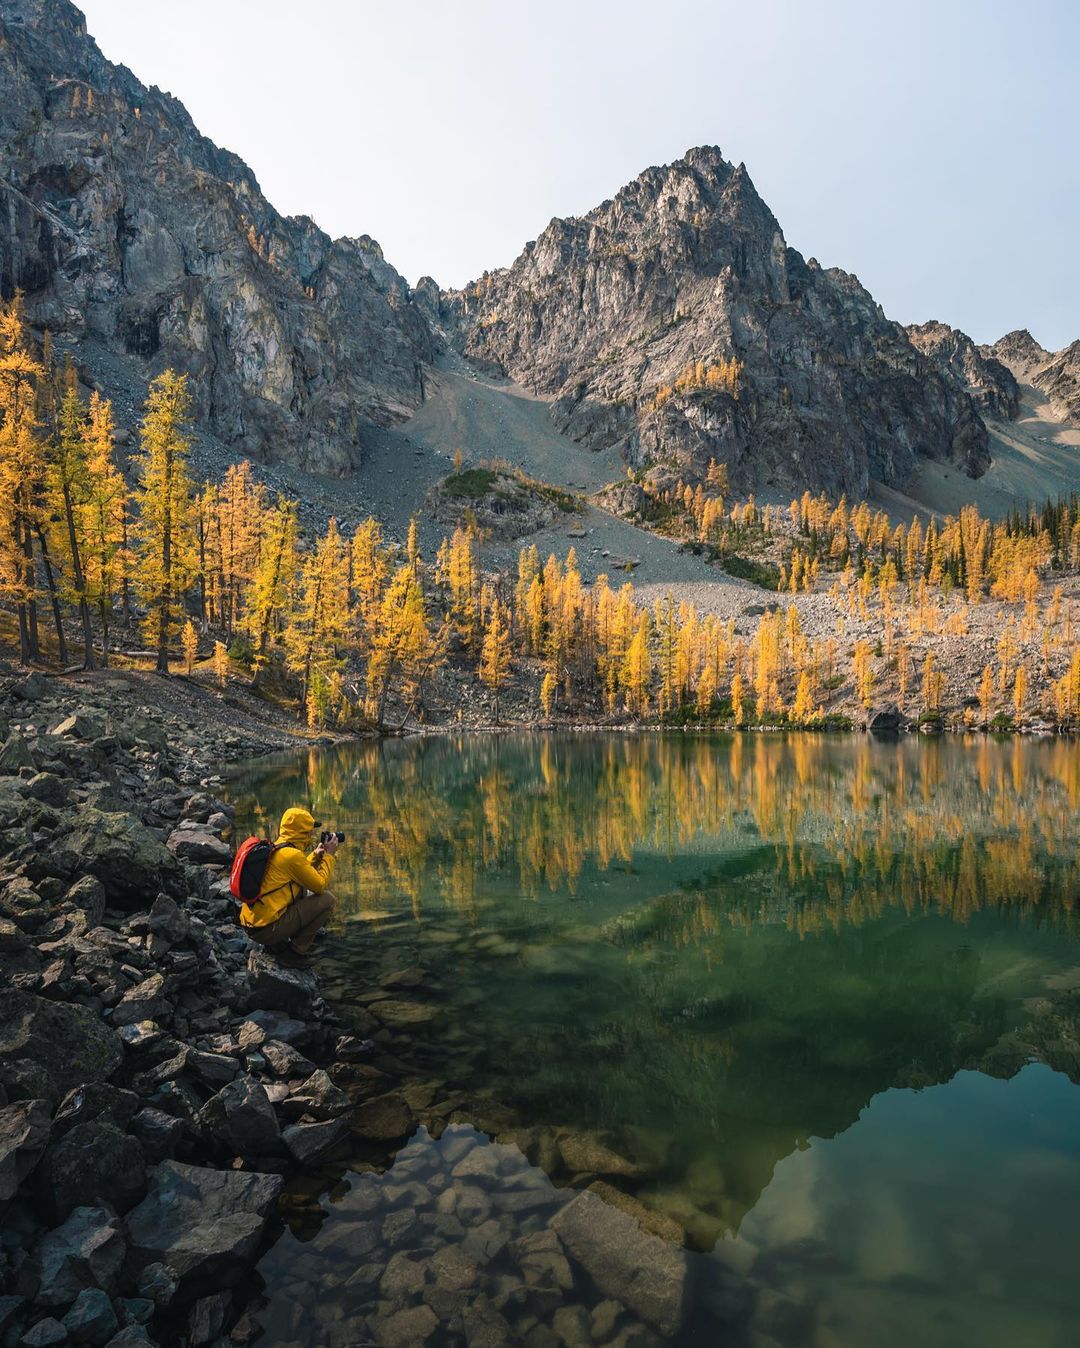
{"x": 1059, "y": 379}
{"x": 1055, "y": 373}
{"x": 1019, "y": 352}
{"x": 128, "y": 229}
{"x": 991, "y": 385}
{"x": 621, "y": 315}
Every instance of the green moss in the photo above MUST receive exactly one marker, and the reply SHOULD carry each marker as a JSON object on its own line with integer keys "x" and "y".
{"x": 760, "y": 573}
{"x": 472, "y": 484}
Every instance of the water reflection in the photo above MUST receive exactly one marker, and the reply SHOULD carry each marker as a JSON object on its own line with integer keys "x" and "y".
{"x": 953, "y": 825}
{"x": 702, "y": 976}
{"x": 461, "y": 1241}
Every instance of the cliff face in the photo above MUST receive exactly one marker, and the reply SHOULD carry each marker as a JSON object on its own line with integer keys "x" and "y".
{"x": 687, "y": 264}
{"x": 990, "y": 384}
{"x": 1055, "y": 373}
{"x": 125, "y": 226}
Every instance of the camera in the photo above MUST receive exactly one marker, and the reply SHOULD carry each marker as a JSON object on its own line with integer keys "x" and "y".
{"x": 327, "y": 836}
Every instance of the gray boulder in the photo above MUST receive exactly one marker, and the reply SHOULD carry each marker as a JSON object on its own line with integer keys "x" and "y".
{"x": 241, "y": 1116}
{"x": 130, "y": 861}
{"x": 308, "y": 1143}
{"x": 262, "y": 1025}
{"x": 86, "y": 1250}
{"x": 158, "y": 1132}
{"x": 202, "y": 1224}
{"x": 319, "y": 1097}
{"x": 92, "y": 1164}
{"x": 885, "y": 721}
{"x": 199, "y": 847}
{"x": 286, "y": 1061}
{"x": 15, "y": 754}
{"x": 207, "y": 1318}
{"x": 167, "y": 920}
{"x": 47, "y": 1333}
{"x": 275, "y": 988}
{"x": 91, "y": 1318}
{"x": 144, "y": 1001}
{"x": 31, "y": 689}
{"x": 24, "y": 1134}
{"x": 131, "y": 1336}
{"x": 48, "y": 788}
{"x": 80, "y": 725}
{"x": 157, "y": 1284}
{"x": 95, "y": 1100}
{"x": 68, "y": 1045}
{"x": 88, "y": 893}
{"x": 641, "y": 1271}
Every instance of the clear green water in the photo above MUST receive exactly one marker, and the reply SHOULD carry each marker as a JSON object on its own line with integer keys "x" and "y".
{"x": 819, "y": 997}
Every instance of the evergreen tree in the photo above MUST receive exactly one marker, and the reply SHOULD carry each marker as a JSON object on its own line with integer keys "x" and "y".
{"x": 165, "y": 535}
{"x": 495, "y": 658}
{"x": 105, "y": 559}
{"x": 68, "y": 487}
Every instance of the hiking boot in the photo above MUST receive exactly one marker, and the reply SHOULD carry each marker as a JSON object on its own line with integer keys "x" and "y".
{"x": 291, "y": 958}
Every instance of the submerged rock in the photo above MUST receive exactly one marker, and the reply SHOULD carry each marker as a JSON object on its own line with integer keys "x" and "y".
{"x": 641, "y": 1271}
{"x": 383, "y": 1119}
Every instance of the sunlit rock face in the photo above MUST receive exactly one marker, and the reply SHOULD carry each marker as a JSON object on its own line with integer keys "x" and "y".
{"x": 128, "y": 229}
{"x": 992, "y": 385}
{"x": 687, "y": 264}
{"x": 1055, "y": 373}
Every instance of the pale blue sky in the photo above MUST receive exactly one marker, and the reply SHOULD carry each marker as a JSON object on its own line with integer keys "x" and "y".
{"x": 930, "y": 147}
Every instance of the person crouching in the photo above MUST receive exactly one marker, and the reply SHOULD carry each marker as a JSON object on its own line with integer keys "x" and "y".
{"x": 294, "y": 900}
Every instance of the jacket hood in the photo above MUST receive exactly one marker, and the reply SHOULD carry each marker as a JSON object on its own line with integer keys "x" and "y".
{"x": 296, "y": 826}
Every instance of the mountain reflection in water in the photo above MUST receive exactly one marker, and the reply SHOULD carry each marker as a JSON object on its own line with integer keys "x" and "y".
{"x": 725, "y": 961}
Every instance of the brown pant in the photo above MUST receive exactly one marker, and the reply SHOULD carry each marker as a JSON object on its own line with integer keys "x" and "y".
{"x": 298, "y": 923}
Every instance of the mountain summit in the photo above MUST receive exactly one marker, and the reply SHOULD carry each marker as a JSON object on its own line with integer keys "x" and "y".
{"x": 673, "y": 322}
{"x": 620, "y": 315}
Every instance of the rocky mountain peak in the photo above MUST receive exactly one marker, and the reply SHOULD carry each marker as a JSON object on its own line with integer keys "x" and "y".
{"x": 1056, "y": 374}
{"x": 130, "y": 231}
{"x": 990, "y": 383}
{"x": 1019, "y": 352}
{"x": 633, "y": 317}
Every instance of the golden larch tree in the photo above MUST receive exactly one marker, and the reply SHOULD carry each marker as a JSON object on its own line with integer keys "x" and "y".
{"x": 165, "y": 533}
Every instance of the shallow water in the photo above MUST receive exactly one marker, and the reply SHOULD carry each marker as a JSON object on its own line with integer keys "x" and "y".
{"x": 808, "y": 1007}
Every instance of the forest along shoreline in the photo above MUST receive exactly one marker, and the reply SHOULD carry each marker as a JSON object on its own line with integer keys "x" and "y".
{"x": 160, "y": 1077}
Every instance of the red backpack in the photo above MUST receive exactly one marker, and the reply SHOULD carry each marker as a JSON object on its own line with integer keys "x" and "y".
{"x": 249, "y": 866}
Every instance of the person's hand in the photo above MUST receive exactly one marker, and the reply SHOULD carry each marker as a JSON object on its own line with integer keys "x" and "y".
{"x": 330, "y": 846}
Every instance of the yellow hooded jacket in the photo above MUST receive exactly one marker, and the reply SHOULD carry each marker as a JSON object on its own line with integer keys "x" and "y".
{"x": 289, "y": 871}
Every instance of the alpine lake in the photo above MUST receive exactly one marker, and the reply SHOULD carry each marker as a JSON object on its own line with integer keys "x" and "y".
{"x": 751, "y": 1039}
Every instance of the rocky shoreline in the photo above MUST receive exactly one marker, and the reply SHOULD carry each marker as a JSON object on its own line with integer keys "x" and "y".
{"x": 160, "y": 1077}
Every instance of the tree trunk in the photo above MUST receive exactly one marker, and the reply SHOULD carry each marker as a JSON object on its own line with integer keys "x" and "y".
{"x": 162, "y": 665}
{"x": 103, "y": 610}
{"x": 80, "y": 582}
{"x": 125, "y": 584}
{"x": 54, "y": 598}
{"x": 29, "y": 580}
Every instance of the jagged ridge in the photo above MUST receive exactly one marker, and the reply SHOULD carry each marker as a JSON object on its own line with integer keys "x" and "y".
{"x": 1057, "y": 374}
{"x": 687, "y": 263}
{"x": 127, "y": 226}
